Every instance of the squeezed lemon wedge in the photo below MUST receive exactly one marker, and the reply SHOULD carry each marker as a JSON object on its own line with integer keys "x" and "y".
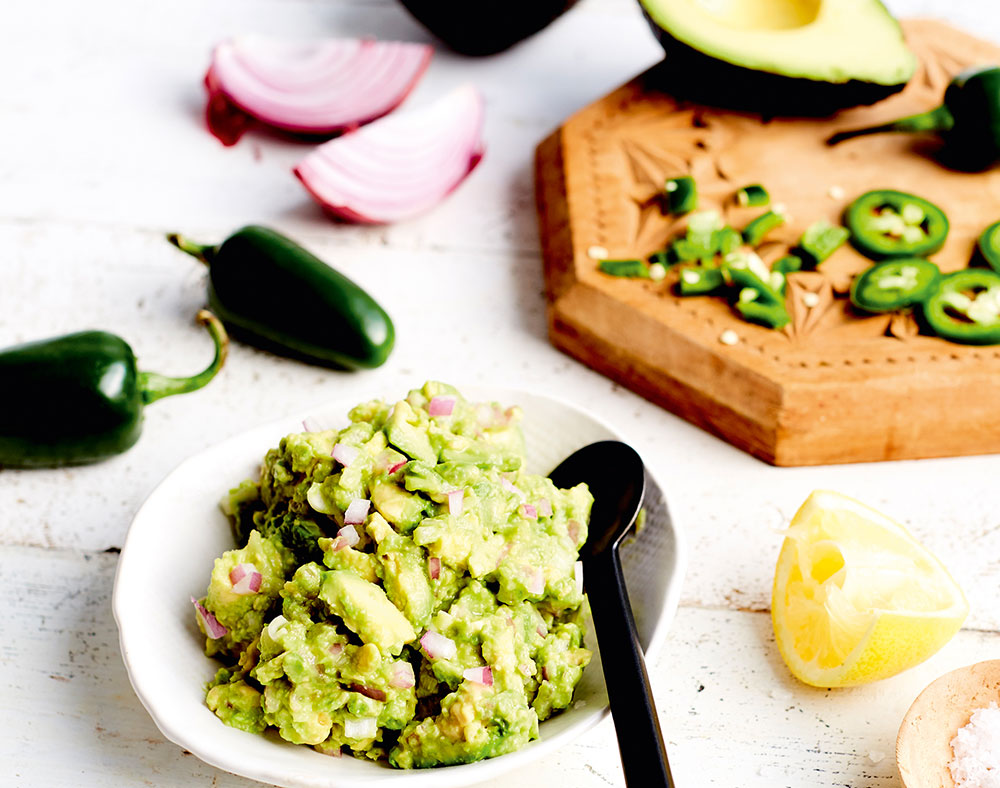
{"x": 856, "y": 598}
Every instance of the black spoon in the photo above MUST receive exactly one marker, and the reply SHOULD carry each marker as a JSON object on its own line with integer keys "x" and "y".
{"x": 614, "y": 473}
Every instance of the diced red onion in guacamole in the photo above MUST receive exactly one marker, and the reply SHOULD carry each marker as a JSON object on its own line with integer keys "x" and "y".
{"x": 438, "y": 646}
{"x": 360, "y": 727}
{"x": 402, "y": 676}
{"x": 399, "y": 166}
{"x": 573, "y": 529}
{"x": 309, "y": 87}
{"x": 442, "y": 405}
{"x": 482, "y": 676}
{"x": 336, "y": 649}
{"x": 456, "y": 502}
{"x": 370, "y": 692}
{"x": 346, "y": 537}
{"x": 357, "y": 511}
{"x": 213, "y": 628}
{"x": 529, "y": 511}
{"x": 434, "y": 567}
{"x": 508, "y": 485}
{"x": 245, "y": 579}
{"x": 344, "y": 454}
{"x": 536, "y": 580}
{"x": 544, "y": 507}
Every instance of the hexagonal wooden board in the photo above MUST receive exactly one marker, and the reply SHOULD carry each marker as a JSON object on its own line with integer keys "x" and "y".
{"x": 834, "y": 386}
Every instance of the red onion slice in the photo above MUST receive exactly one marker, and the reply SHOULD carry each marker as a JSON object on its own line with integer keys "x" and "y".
{"x": 399, "y": 166}
{"x": 308, "y": 87}
{"x": 438, "y": 646}
{"x": 482, "y": 676}
{"x": 456, "y": 502}
{"x": 344, "y": 454}
{"x": 357, "y": 511}
{"x": 402, "y": 676}
{"x": 245, "y": 579}
{"x": 529, "y": 511}
{"x": 434, "y": 567}
{"x": 213, "y": 628}
{"x": 441, "y": 406}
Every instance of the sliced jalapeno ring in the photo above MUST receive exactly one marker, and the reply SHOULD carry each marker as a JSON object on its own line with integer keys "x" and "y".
{"x": 894, "y": 284}
{"x": 989, "y": 246}
{"x": 887, "y": 223}
{"x": 965, "y": 307}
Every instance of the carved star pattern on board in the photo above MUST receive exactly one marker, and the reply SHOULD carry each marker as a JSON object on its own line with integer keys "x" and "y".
{"x": 650, "y": 164}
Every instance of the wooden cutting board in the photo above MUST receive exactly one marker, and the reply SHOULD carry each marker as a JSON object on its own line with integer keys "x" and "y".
{"x": 834, "y": 386}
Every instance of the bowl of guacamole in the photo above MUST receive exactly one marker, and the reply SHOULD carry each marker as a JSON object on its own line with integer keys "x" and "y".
{"x": 388, "y": 592}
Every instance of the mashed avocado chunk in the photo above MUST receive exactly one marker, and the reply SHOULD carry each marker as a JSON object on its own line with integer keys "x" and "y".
{"x": 402, "y": 589}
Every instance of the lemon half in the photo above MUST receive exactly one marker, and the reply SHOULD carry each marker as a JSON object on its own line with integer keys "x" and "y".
{"x": 856, "y": 598}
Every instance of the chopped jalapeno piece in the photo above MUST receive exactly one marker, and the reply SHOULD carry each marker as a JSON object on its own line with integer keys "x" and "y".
{"x": 702, "y": 239}
{"x": 989, "y": 246}
{"x": 820, "y": 240}
{"x": 754, "y": 232}
{"x": 699, "y": 280}
{"x": 682, "y": 194}
{"x": 748, "y": 271}
{"x": 753, "y": 196}
{"x": 635, "y": 269}
{"x": 663, "y": 257}
{"x": 887, "y": 223}
{"x": 788, "y": 264}
{"x": 728, "y": 240}
{"x": 768, "y": 315}
{"x": 965, "y": 307}
{"x": 894, "y": 284}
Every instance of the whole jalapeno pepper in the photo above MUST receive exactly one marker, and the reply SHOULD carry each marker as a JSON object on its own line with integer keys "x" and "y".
{"x": 274, "y": 294}
{"x": 894, "y": 284}
{"x": 886, "y": 223}
{"x": 965, "y": 307}
{"x": 79, "y": 398}
{"x": 968, "y": 121}
{"x": 989, "y": 246}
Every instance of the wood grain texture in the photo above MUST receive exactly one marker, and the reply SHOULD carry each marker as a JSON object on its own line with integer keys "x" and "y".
{"x": 832, "y": 387}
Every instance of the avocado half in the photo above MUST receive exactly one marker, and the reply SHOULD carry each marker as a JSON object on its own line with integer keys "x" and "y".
{"x": 781, "y": 56}
{"x": 485, "y": 27}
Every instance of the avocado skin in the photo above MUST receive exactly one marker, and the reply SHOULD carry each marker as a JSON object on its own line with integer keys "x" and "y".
{"x": 485, "y": 27}
{"x": 723, "y": 84}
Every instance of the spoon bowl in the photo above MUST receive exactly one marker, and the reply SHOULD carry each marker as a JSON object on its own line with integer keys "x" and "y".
{"x": 923, "y": 746}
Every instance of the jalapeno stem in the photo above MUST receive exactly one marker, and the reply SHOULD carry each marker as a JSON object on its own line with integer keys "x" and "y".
{"x": 203, "y": 252}
{"x": 936, "y": 120}
{"x": 154, "y": 386}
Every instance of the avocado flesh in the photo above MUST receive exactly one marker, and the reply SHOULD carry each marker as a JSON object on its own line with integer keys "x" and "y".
{"x": 808, "y": 56}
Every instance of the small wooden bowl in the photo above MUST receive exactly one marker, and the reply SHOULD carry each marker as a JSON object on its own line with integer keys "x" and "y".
{"x": 923, "y": 746}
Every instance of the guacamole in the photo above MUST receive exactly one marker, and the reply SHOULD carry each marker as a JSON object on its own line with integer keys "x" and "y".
{"x": 402, "y": 590}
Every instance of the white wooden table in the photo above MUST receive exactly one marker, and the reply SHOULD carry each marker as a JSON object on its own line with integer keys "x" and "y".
{"x": 102, "y": 151}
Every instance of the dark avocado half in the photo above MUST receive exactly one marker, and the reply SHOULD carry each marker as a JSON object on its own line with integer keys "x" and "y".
{"x": 799, "y": 57}
{"x": 485, "y": 27}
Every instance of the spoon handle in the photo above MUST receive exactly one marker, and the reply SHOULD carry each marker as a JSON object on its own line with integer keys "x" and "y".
{"x": 640, "y": 742}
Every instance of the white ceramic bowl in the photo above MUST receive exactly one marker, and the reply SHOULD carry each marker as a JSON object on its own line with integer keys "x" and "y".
{"x": 179, "y": 530}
